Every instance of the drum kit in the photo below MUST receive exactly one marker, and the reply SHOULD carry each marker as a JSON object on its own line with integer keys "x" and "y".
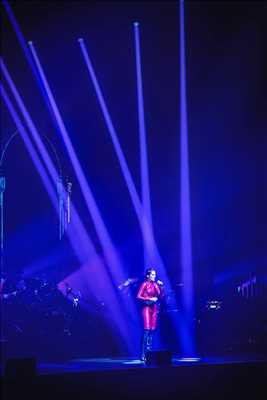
{"x": 34, "y": 303}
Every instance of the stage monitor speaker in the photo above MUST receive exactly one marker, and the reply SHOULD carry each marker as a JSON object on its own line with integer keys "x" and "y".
{"x": 20, "y": 368}
{"x": 159, "y": 358}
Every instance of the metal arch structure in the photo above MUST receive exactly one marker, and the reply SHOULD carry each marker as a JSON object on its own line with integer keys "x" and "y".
{"x": 63, "y": 194}
{"x": 52, "y": 147}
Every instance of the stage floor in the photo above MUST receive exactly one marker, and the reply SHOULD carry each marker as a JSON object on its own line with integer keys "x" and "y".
{"x": 98, "y": 364}
{"x": 206, "y": 378}
{"x": 109, "y": 363}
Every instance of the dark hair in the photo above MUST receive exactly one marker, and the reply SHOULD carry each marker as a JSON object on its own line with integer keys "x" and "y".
{"x": 148, "y": 272}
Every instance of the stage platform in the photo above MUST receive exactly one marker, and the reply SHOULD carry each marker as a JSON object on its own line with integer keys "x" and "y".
{"x": 105, "y": 378}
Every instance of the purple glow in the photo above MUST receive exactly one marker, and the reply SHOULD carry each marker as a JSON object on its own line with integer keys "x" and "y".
{"x": 111, "y": 254}
{"x": 114, "y": 136}
{"x": 79, "y": 239}
{"x": 43, "y": 152}
{"x": 146, "y": 228}
{"x": 93, "y": 279}
{"x": 142, "y": 136}
{"x": 77, "y": 234}
{"x": 143, "y": 212}
{"x": 187, "y": 333}
{"x": 30, "y": 124}
{"x": 148, "y": 237}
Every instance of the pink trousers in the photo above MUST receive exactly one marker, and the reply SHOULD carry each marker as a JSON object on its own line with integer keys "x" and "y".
{"x": 150, "y": 317}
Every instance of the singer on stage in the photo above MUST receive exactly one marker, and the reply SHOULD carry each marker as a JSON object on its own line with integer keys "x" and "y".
{"x": 150, "y": 292}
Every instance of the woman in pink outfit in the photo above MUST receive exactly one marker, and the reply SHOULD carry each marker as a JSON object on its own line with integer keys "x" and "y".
{"x": 149, "y": 294}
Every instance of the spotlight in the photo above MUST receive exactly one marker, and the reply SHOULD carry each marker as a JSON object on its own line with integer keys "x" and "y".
{"x": 136, "y": 23}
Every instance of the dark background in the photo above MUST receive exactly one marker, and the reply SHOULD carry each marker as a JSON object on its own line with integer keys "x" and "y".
{"x": 227, "y": 121}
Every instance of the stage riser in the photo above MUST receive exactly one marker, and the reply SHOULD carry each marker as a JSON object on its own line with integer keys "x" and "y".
{"x": 196, "y": 382}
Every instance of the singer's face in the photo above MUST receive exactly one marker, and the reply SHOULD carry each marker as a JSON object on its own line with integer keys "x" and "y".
{"x": 152, "y": 275}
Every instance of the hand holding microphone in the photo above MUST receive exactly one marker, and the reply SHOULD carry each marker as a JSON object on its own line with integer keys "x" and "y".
{"x": 160, "y": 283}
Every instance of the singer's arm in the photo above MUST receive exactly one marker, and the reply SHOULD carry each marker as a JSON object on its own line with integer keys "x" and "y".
{"x": 141, "y": 293}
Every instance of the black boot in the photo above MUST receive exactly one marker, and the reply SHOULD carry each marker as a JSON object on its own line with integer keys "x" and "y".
{"x": 144, "y": 346}
{"x": 149, "y": 340}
